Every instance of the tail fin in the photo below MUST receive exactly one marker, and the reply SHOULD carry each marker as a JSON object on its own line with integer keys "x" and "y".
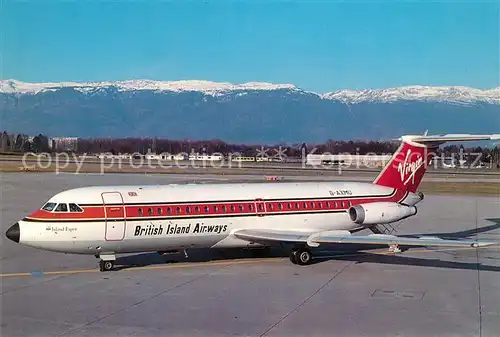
{"x": 407, "y": 166}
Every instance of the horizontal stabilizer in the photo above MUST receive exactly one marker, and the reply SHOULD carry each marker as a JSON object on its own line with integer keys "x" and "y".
{"x": 449, "y": 138}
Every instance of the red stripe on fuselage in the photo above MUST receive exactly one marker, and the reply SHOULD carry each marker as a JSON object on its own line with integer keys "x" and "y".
{"x": 214, "y": 208}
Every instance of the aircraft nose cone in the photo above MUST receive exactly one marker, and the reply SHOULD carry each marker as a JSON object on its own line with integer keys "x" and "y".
{"x": 13, "y": 233}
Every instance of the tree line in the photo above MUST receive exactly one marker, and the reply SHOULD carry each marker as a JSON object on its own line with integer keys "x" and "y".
{"x": 156, "y": 145}
{"x": 21, "y": 143}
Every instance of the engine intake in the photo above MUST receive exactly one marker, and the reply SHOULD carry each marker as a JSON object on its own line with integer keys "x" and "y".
{"x": 380, "y": 213}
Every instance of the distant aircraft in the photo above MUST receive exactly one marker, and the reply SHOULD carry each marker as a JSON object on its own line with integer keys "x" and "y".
{"x": 109, "y": 220}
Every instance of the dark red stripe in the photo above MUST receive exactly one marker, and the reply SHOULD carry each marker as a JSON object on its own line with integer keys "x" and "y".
{"x": 235, "y": 208}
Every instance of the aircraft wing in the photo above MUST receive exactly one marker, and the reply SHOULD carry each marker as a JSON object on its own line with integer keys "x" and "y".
{"x": 314, "y": 239}
{"x": 380, "y": 239}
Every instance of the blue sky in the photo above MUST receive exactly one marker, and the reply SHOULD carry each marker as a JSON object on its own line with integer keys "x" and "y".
{"x": 316, "y": 45}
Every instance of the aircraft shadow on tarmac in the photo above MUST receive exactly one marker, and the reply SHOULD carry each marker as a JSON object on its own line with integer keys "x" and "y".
{"x": 197, "y": 255}
{"x": 464, "y": 234}
{"x": 344, "y": 252}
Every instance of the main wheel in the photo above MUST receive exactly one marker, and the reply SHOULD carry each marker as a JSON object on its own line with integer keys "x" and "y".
{"x": 106, "y": 265}
{"x": 303, "y": 256}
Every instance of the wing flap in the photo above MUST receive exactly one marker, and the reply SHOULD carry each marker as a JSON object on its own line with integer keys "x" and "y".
{"x": 266, "y": 236}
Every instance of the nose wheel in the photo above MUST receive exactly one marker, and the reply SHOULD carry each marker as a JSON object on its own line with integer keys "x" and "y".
{"x": 106, "y": 265}
{"x": 301, "y": 256}
{"x": 107, "y": 262}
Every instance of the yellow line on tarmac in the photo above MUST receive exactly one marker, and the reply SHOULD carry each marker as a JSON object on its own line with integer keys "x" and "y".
{"x": 172, "y": 266}
{"x": 219, "y": 263}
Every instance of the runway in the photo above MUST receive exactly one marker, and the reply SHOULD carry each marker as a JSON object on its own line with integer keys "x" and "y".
{"x": 350, "y": 291}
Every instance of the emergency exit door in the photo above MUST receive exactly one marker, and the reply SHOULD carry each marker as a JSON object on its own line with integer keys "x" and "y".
{"x": 114, "y": 212}
{"x": 260, "y": 207}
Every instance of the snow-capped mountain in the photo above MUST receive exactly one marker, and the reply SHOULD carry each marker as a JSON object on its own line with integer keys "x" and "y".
{"x": 207, "y": 87}
{"x": 452, "y": 94}
{"x": 249, "y": 112}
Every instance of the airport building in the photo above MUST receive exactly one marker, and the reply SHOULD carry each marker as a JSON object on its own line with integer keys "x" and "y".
{"x": 205, "y": 157}
{"x": 63, "y": 144}
{"x": 347, "y": 160}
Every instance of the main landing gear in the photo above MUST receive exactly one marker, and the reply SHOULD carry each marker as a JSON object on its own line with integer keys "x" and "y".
{"x": 301, "y": 256}
{"x": 107, "y": 262}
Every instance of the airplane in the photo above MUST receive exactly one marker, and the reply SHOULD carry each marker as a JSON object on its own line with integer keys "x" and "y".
{"x": 108, "y": 220}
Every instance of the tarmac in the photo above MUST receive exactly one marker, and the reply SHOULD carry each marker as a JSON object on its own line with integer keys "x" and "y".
{"x": 348, "y": 291}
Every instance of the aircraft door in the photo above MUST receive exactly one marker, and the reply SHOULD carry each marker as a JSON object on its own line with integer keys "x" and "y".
{"x": 114, "y": 212}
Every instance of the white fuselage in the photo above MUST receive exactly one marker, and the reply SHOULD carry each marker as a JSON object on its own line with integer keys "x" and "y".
{"x": 125, "y": 219}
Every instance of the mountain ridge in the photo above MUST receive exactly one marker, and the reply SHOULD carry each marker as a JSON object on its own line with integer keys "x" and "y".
{"x": 452, "y": 94}
{"x": 252, "y": 113}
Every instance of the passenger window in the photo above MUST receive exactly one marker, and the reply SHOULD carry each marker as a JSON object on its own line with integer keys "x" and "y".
{"x": 178, "y": 209}
{"x": 297, "y": 205}
{"x": 270, "y": 206}
{"x": 169, "y": 210}
{"x": 49, "y": 206}
{"x": 224, "y": 208}
{"x": 260, "y": 207}
{"x": 304, "y": 205}
{"x": 159, "y": 211}
{"x": 240, "y": 207}
{"x": 215, "y": 208}
{"x": 139, "y": 211}
{"x": 197, "y": 209}
{"x": 150, "y": 211}
{"x": 250, "y": 207}
{"x": 336, "y": 205}
{"x": 319, "y": 204}
{"x": 280, "y": 206}
{"x": 62, "y": 208}
{"x": 328, "y": 204}
{"x": 312, "y": 204}
{"x": 232, "y": 208}
{"x": 74, "y": 208}
{"x": 206, "y": 209}
{"x": 188, "y": 209}
{"x": 289, "y": 206}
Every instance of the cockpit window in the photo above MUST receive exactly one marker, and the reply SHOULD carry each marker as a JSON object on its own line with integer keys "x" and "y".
{"x": 49, "y": 206}
{"x": 74, "y": 208}
{"x": 61, "y": 208}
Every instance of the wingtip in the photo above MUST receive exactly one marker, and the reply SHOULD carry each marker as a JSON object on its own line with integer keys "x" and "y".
{"x": 478, "y": 244}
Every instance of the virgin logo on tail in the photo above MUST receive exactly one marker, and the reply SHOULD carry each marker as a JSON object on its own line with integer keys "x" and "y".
{"x": 408, "y": 169}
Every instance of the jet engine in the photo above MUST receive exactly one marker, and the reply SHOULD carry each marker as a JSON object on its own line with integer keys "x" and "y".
{"x": 380, "y": 213}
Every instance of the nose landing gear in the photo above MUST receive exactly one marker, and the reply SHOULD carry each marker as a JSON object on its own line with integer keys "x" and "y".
{"x": 106, "y": 265}
{"x": 107, "y": 262}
